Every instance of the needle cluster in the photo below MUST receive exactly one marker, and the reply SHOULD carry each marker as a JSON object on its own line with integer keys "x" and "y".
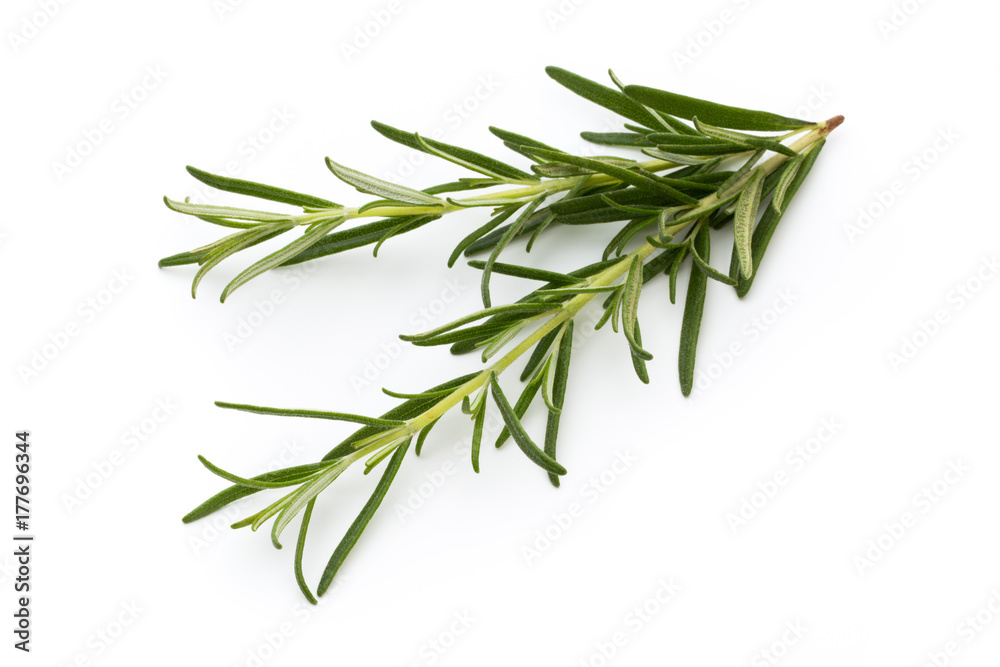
{"x": 698, "y": 167}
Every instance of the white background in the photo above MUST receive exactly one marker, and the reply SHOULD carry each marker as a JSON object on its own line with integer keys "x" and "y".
{"x": 111, "y": 548}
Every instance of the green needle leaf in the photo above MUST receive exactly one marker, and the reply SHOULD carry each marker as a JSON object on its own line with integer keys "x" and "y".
{"x": 675, "y": 267}
{"x": 719, "y": 115}
{"x": 630, "y": 308}
{"x": 639, "y": 180}
{"x": 355, "y": 237}
{"x": 225, "y": 212}
{"x": 313, "y": 414}
{"x": 257, "y": 520}
{"x": 624, "y": 197}
{"x": 760, "y": 143}
{"x": 520, "y": 436}
{"x": 497, "y": 220}
{"x": 517, "y": 139}
{"x": 738, "y": 174}
{"x": 251, "y": 483}
{"x": 523, "y": 403}
{"x": 474, "y": 161}
{"x": 769, "y": 221}
{"x": 511, "y": 309}
{"x": 638, "y": 362}
{"x": 376, "y": 186}
{"x": 675, "y": 157}
{"x": 460, "y": 156}
{"x": 260, "y": 190}
{"x": 526, "y": 272}
{"x": 746, "y": 216}
{"x": 499, "y": 341}
{"x": 402, "y": 228}
{"x": 281, "y": 256}
{"x": 238, "y": 491}
{"x": 706, "y": 150}
{"x": 473, "y": 336}
{"x": 182, "y": 259}
{"x": 537, "y": 354}
{"x": 693, "y": 308}
{"x": 787, "y": 177}
{"x": 359, "y": 525}
{"x": 423, "y": 436}
{"x": 293, "y": 504}
{"x": 609, "y": 98}
{"x": 405, "y": 396}
{"x": 300, "y": 547}
{"x": 406, "y": 410}
{"x": 560, "y": 378}
{"x": 610, "y": 310}
{"x": 617, "y": 139}
{"x": 514, "y": 230}
{"x": 702, "y": 265}
{"x": 239, "y": 242}
{"x": 477, "y": 435}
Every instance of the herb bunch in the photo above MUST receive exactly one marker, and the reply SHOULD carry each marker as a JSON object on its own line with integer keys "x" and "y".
{"x": 699, "y": 167}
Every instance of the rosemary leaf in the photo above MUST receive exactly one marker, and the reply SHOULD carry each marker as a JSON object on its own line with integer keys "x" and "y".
{"x": 251, "y": 483}
{"x": 609, "y": 98}
{"x": 746, "y": 216}
{"x": 523, "y": 403}
{"x": 625, "y": 175}
{"x": 693, "y": 308}
{"x": 497, "y": 220}
{"x": 300, "y": 548}
{"x": 239, "y": 491}
{"x": 720, "y": 115}
{"x": 520, "y": 436}
{"x": 514, "y": 230}
{"x": 760, "y": 143}
{"x": 639, "y": 363}
{"x": 260, "y": 190}
{"x": 375, "y": 186}
{"x": 518, "y": 139}
{"x": 617, "y": 138}
{"x": 477, "y": 435}
{"x": 279, "y": 257}
{"x": 460, "y": 156}
{"x": 426, "y": 431}
{"x": 701, "y": 263}
{"x": 769, "y": 221}
{"x": 630, "y": 308}
{"x": 313, "y": 414}
{"x": 560, "y": 378}
{"x": 787, "y": 176}
{"x": 359, "y": 525}
{"x": 526, "y": 272}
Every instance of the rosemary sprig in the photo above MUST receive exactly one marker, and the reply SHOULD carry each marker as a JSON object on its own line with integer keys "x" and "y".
{"x": 672, "y": 216}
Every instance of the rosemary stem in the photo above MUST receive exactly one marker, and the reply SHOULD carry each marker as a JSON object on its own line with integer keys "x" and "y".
{"x": 568, "y": 310}
{"x": 604, "y": 278}
{"x": 551, "y": 187}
